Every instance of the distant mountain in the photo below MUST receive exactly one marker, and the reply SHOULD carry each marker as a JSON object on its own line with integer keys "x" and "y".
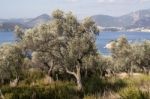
{"x": 9, "y": 24}
{"x": 105, "y": 20}
{"x": 38, "y": 20}
{"x": 3, "y": 20}
{"x": 138, "y": 19}
{"x": 20, "y": 20}
{"x": 135, "y": 19}
{"x": 145, "y": 22}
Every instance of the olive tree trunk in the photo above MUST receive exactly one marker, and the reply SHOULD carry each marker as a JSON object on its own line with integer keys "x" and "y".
{"x": 49, "y": 78}
{"x": 77, "y": 75}
{"x": 79, "y": 81}
{"x": 1, "y": 95}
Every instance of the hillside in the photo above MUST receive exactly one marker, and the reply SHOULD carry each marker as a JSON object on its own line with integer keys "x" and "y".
{"x": 135, "y": 19}
{"x": 9, "y": 24}
{"x": 38, "y": 20}
{"x": 138, "y": 19}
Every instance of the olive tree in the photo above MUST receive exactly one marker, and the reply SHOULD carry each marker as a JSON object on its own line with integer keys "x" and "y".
{"x": 10, "y": 61}
{"x": 63, "y": 43}
{"x": 146, "y": 60}
{"x": 40, "y": 42}
{"x": 19, "y": 33}
{"x": 120, "y": 52}
{"x": 140, "y": 55}
{"x": 125, "y": 55}
{"x": 130, "y": 56}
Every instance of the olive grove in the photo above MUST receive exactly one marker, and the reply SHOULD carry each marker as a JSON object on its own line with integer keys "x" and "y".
{"x": 10, "y": 61}
{"x": 63, "y": 43}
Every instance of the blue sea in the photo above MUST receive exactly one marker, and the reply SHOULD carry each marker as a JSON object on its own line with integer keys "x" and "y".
{"x": 102, "y": 39}
{"x": 7, "y": 37}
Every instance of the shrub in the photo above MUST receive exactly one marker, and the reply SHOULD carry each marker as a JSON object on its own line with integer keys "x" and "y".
{"x": 133, "y": 93}
{"x": 32, "y": 75}
{"x": 54, "y": 91}
{"x": 94, "y": 85}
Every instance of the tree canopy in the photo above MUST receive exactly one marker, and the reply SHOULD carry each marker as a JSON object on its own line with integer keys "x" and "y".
{"x": 62, "y": 43}
{"x": 10, "y": 61}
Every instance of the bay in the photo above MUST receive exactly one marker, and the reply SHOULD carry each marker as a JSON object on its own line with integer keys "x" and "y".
{"x": 105, "y": 37}
{"x": 7, "y": 37}
{"x": 101, "y": 41}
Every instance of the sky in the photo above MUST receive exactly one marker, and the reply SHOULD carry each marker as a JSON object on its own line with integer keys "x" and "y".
{"x": 81, "y": 8}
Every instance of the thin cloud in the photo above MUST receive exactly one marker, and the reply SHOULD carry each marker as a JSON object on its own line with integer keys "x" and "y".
{"x": 121, "y": 1}
{"x": 106, "y": 1}
{"x": 71, "y": 0}
{"x": 145, "y": 0}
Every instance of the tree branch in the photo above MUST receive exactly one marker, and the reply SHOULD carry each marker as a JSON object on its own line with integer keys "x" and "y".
{"x": 70, "y": 72}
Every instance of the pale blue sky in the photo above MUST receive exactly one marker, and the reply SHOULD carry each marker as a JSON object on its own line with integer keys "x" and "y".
{"x": 33, "y": 8}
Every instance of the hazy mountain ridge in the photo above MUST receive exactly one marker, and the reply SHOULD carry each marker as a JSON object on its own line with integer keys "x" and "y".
{"x": 136, "y": 19}
{"x": 38, "y": 20}
{"x": 9, "y": 24}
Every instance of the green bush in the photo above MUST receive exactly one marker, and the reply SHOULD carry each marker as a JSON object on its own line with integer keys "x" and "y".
{"x": 100, "y": 85}
{"x": 133, "y": 93}
{"x": 33, "y": 75}
{"x": 94, "y": 85}
{"x": 54, "y": 91}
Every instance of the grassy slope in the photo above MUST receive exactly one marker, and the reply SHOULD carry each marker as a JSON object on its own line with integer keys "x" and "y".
{"x": 135, "y": 87}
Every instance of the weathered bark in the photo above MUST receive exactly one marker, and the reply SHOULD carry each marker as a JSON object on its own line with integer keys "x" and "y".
{"x": 131, "y": 71}
{"x": 77, "y": 75}
{"x": 86, "y": 72}
{"x": 50, "y": 73}
{"x": 145, "y": 70}
{"x": 1, "y": 95}
{"x": 14, "y": 83}
{"x": 49, "y": 78}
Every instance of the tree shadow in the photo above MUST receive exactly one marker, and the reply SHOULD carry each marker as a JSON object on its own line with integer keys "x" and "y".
{"x": 100, "y": 85}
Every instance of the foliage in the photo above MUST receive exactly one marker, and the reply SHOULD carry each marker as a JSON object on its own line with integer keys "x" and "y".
{"x": 10, "y": 61}
{"x": 32, "y": 75}
{"x": 54, "y": 91}
{"x": 134, "y": 93}
{"x": 63, "y": 43}
{"x": 145, "y": 57}
{"x": 19, "y": 33}
{"x": 95, "y": 88}
{"x": 120, "y": 51}
{"x": 65, "y": 46}
{"x": 130, "y": 57}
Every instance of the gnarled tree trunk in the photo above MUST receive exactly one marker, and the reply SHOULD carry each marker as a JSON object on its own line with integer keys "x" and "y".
{"x": 79, "y": 81}
{"x": 48, "y": 78}
{"x": 77, "y": 75}
{"x": 50, "y": 75}
{"x": 1, "y": 95}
